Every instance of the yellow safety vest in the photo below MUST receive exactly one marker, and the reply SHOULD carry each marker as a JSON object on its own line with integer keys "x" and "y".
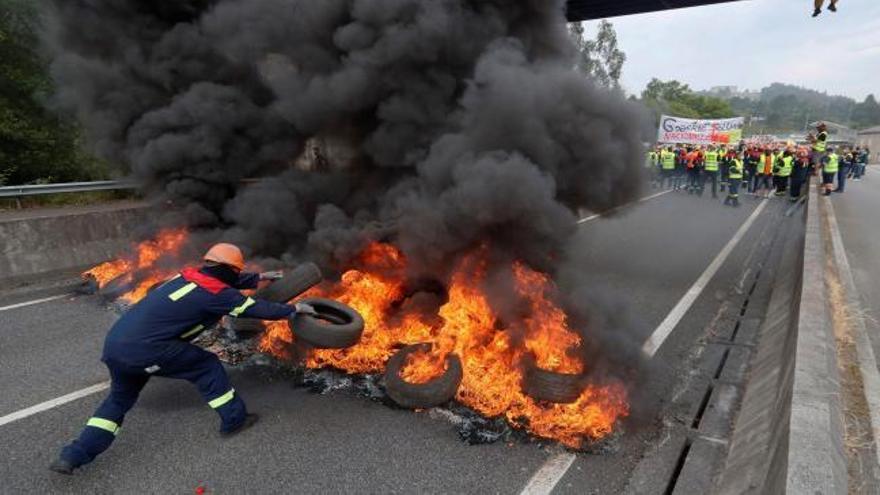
{"x": 819, "y": 145}
{"x": 785, "y": 167}
{"x": 711, "y": 161}
{"x": 736, "y": 169}
{"x": 832, "y": 165}
{"x": 668, "y": 160}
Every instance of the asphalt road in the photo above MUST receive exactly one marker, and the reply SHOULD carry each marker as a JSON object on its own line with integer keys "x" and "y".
{"x": 640, "y": 262}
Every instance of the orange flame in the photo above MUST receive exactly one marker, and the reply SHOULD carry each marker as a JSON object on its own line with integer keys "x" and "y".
{"x": 467, "y": 326}
{"x": 144, "y": 256}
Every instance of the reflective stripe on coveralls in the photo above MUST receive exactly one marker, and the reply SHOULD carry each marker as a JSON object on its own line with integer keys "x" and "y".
{"x": 223, "y": 399}
{"x": 240, "y": 309}
{"x": 104, "y": 424}
{"x": 195, "y": 330}
{"x": 186, "y": 289}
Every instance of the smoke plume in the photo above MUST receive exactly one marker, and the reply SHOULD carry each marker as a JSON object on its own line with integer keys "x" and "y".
{"x": 463, "y": 122}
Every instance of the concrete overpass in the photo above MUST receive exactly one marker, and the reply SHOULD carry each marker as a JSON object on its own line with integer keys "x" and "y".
{"x": 584, "y": 10}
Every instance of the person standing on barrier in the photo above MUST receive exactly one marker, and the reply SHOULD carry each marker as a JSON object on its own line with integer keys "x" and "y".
{"x": 830, "y": 166}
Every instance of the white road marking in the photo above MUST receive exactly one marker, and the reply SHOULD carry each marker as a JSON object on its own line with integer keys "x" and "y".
{"x": 684, "y": 304}
{"x": 548, "y": 476}
{"x": 51, "y": 404}
{"x": 640, "y": 200}
{"x": 31, "y": 303}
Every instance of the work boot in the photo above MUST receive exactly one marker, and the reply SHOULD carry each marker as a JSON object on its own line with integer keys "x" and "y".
{"x": 60, "y": 465}
{"x": 249, "y": 421}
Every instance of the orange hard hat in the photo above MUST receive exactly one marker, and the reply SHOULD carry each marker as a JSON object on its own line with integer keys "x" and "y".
{"x": 226, "y": 254}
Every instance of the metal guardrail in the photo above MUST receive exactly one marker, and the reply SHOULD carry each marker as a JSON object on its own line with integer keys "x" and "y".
{"x": 64, "y": 187}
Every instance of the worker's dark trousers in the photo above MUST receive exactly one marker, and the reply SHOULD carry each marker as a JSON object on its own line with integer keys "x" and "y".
{"x": 798, "y": 177}
{"x": 781, "y": 184}
{"x": 193, "y": 364}
{"x": 709, "y": 176}
{"x": 841, "y": 177}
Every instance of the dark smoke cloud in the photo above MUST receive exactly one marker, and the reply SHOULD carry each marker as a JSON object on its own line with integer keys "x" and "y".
{"x": 466, "y": 120}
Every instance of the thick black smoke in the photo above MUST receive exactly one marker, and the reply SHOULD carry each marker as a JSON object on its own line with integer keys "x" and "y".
{"x": 467, "y": 122}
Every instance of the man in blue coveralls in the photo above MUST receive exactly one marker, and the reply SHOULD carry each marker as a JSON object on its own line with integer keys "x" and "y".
{"x": 153, "y": 339}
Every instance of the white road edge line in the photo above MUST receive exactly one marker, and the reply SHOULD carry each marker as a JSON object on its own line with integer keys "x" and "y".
{"x": 640, "y": 200}
{"x": 543, "y": 481}
{"x": 50, "y": 404}
{"x": 31, "y": 303}
{"x": 684, "y": 304}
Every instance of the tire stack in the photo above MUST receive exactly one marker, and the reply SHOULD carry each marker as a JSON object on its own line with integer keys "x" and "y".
{"x": 293, "y": 283}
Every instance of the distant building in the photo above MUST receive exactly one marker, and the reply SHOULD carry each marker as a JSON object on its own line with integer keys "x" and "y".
{"x": 871, "y": 138}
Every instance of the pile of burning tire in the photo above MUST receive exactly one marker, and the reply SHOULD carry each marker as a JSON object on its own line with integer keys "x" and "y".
{"x": 338, "y": 326}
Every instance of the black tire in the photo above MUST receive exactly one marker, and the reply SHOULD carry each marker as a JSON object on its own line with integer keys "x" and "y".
{"x": 116, "y": 287}
{"x": 560, "y": 388}
{"x": 336, "y": 325}
{"x": 245, "y": 327}
{"x": 434, "y": 393}
{"x": 294, "y": 283}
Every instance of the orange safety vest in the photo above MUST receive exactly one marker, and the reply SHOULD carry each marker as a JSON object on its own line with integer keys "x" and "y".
{"x": 768, "y": 163}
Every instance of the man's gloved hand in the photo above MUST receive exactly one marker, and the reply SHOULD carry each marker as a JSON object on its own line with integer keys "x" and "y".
{"x": 305, "y": 309}
{"x": 273, "y": 275}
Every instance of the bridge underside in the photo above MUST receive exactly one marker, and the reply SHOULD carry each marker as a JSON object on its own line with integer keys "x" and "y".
{"x": 584, "y": 10}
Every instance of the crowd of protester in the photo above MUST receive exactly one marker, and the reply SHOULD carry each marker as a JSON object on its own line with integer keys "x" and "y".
{"x": 760, "y": 170}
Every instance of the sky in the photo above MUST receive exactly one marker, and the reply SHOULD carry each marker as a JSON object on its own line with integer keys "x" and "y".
{"x": 753, "y": 43}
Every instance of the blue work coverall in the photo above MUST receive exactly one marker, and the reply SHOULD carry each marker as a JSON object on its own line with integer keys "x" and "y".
{"x": 153, "y": 339}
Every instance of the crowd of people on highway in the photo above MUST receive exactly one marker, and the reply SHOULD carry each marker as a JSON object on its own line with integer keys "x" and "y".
{"x": 761, "y": 170}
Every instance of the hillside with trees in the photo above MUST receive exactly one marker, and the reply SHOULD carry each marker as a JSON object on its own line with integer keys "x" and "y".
{"x": 36, "y": 144}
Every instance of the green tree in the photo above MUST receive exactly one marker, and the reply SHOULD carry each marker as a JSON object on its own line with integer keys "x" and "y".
{"x": 600, "y": 57}
{"x": 676, "y": 98}
{"x": 35, "y": 144}
{"x": 867, "y": 113}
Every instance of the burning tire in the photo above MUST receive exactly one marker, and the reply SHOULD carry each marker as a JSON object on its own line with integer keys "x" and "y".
{"x": 245, "y": 327}
{"x": 294, "y": 283}
{"x": 561, "y": 388}
{"x": 433, "y": 393}
{"x": 116, "y": 287}
{"x": 336, "y": 326}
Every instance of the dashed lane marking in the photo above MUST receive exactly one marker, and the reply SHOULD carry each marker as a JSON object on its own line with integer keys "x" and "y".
{"x": 31, "y": 303}
{"x": 641, "y": 200}
{"x": 669, "y": 323}
{"x": 546, "y": 478}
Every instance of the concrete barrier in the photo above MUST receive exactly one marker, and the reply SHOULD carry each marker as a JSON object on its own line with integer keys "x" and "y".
{"x": 788, "y": 436}
{"x": 40, "y": 242}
